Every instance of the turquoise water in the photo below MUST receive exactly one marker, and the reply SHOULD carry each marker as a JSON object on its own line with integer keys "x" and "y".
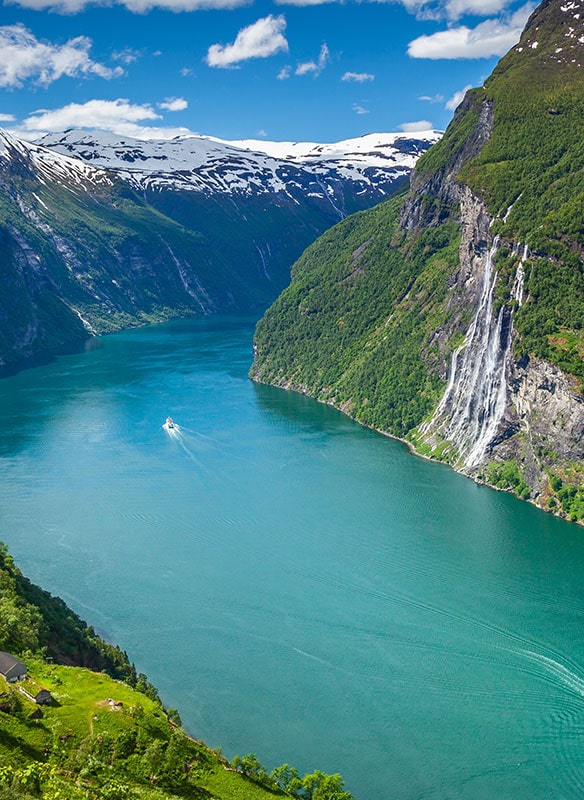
{"x": 296, "y": 585}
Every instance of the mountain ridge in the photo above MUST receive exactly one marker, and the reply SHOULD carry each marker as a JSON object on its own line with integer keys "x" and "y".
{"x": 90, "y": 250}
{"x": 208, "y": 164}
{"x": 470, "y": 287}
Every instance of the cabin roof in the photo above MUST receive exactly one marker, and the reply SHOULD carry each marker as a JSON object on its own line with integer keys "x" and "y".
{"x": 7, "y": 662}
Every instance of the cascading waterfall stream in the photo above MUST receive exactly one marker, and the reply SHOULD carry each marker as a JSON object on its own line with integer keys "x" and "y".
{"x": 474, "y": 402}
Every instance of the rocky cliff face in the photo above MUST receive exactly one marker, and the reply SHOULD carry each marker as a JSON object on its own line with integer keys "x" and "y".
{"x": 470, "y": 290}
{"x": 496, "y": 408}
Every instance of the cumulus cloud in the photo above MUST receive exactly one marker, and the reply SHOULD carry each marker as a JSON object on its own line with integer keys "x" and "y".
{"x": 457, "y": 98}
{"x": 262, "y": 39}
{"x": 174, "y": 104}
{"x": 415, "y": 127}
{"x": 359, "y": 109}
{"x": 453, "y": 9}
{"x": 7, "y": 118}
{"x": 23, "y": 57}
{"x": 118, "y": 116}
{"x": 493, "y": 37}
{"x": 315, "y": 67}
{"x": 284, "y": 73}
{"x": 358, "y": 77}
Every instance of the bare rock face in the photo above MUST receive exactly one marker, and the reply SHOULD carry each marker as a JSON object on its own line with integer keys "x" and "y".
{"x": 494, "y": 409}
{"x": 549, "y": 413}
{"x": 442, "y": 186}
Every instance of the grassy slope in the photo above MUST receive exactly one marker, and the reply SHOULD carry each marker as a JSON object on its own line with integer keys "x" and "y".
{"x": 93, "y": 746}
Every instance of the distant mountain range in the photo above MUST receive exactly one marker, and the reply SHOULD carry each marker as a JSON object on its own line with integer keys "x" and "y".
{"x": 333, "y": 173}
{"x": 100, "y": 232}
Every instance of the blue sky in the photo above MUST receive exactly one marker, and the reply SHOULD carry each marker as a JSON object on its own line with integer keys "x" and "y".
{"x": 301, "y": 70}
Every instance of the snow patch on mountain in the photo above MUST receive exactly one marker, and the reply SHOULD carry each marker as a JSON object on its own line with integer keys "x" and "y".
{"x": 50, "y": 164}
{"x": 210, "y": 165}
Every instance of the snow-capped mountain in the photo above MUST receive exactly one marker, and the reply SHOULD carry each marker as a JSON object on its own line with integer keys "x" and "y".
{"x": 100, "y": 232}
{"x": 50, "y": 164}
{"x": 205, "y": 164}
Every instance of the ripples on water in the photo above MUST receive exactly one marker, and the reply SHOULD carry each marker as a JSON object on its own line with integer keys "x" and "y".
{"x": 298, "y": 586}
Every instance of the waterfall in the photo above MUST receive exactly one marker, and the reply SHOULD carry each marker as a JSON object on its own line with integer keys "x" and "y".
{"x": 473, "y": 405}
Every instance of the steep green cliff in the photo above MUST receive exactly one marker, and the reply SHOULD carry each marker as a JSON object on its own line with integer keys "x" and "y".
{"x": 453, "y": 315}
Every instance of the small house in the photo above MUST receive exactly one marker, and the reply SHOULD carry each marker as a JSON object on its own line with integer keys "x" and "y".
{"x": 11, "y": 668}
{"x": 43, "y": 697}
{"x": 35, "y": 692}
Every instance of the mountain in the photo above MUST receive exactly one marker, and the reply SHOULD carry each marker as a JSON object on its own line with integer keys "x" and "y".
{"x": 453, "y": 315}
{"x": 336, "y": 174}
{"x": 99, "y": 233}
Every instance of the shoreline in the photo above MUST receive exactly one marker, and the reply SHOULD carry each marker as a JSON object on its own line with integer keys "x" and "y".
{"x": 414, "y": 452}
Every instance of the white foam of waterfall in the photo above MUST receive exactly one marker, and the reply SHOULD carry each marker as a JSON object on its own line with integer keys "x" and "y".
{"x": 517, "y": 291}
{"x": 475, "y": 399}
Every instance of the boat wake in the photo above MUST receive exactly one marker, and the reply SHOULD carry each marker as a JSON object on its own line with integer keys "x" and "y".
{"x": 558, "y": 673}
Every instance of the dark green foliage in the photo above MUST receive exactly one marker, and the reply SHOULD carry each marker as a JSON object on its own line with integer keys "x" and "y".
{"x": 360, "y": 309}
{"x": 316, "y": 785}
{"x": 507, "y": 475}
{"x": 568, "y": 497}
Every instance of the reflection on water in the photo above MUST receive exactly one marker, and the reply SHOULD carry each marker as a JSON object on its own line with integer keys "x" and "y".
{"x": 296, "y": 585}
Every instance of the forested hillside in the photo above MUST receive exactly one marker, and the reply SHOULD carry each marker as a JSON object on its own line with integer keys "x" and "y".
{"x": 453, "y": 315}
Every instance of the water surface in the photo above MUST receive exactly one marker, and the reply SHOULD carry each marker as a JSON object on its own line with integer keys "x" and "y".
{"x": 296, "y": 585}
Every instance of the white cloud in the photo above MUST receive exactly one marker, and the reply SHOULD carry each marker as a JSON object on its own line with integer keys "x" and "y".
{"x": 359, "y": 109}
{"x": 358, "y": 77}
{"x": 480, "y": 8}
{"x": 174, "y": 104}
{"x": 126, "y": 56}
{"x": 262, "y": 39}
{"x": 457, "y": 98}
{"x": 453, "y": 9}
{"x": 429, "y": 9}
{"x": 118, "y": 116}
{"x": 23, "y": 57}
{"x": 435, "y": 98}
{"x": 315, "y": 67}
{"x": 186, "y": 71}
{"x": 284, "y": 74}
{"x": 415, "y": 127}
{"x": 262, "y": 134}
{"x": 7, "y": 117}
{"x": 494, "y": 37}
